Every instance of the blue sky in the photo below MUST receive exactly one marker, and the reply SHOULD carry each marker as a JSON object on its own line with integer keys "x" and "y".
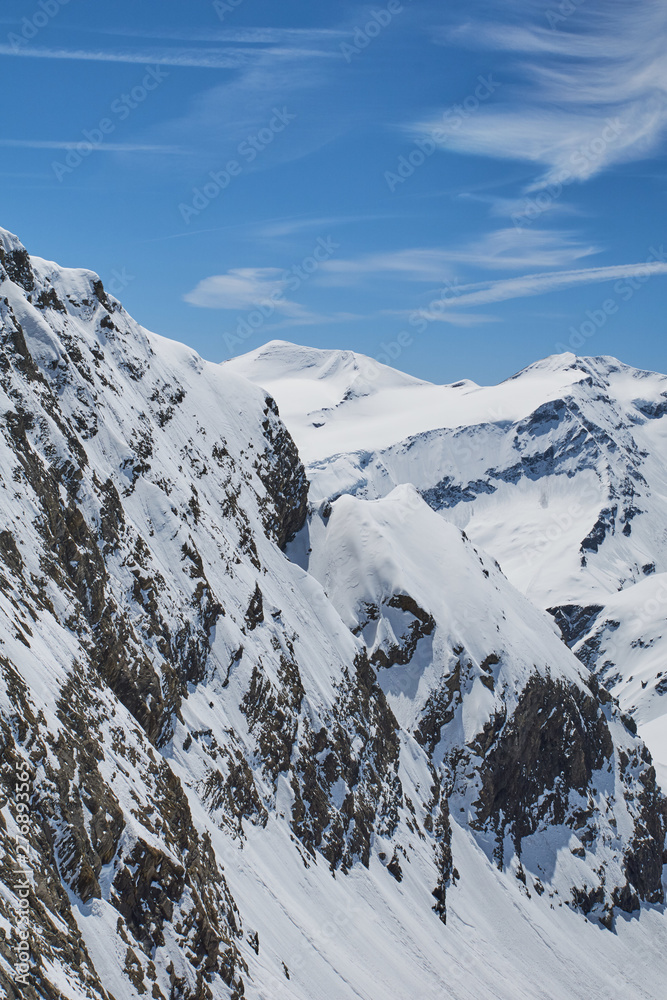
{"x": 461, "y": 188}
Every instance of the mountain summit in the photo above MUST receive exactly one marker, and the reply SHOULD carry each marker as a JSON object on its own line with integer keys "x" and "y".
{"x": 259, "y": 741}
{"x": 558, "y": 472}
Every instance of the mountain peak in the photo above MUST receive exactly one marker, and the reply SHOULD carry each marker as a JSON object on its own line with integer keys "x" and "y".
{"x": 241, "y": 717}
{"x": 601, "y": 366}
{"x": 280, "y": 359}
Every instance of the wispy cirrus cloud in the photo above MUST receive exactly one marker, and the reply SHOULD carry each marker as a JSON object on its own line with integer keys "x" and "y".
{"x": 507, "y": 208}
{"x": 590, "y": 92}
{"x": 512, "y": 248}
{"x": 315, "y": 38}
{"x": 293, "y": 225}
{"x": 267, "y": 67}
{"x": 565, "y": 145}
{"x": 462, "y": 319}
{"x": 483, "y": 293}
{"x": 262, "y": 290}
{"x": 502, "y": 249}
{"x": 244, "y": 288}
{"x": 238, "y": 47}
{"x": 243, "y": 102}
{"x": 185, "y": 57}
{"x": 417, "y": 264}
{"x": 107, "y": 147}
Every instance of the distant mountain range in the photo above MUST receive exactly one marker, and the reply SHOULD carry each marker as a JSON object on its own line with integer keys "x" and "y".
{"x": 349, "y": 705}
{"x": 560, "y": 473}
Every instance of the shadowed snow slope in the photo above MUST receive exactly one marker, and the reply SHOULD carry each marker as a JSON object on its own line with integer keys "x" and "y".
{"x": 558, "y": 472}
{"x": 231, "y": 766}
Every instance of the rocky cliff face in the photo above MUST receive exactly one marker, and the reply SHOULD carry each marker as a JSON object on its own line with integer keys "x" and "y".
{"x": 178, "y": 695}
{"x": 558, "y": 472}
{"x": 527, "y": 748}
{"x": 146, "y": 498}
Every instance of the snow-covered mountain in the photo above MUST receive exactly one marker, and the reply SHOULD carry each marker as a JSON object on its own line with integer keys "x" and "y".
{"x": 256, "y": 747}
{"x": 560, "y": 473}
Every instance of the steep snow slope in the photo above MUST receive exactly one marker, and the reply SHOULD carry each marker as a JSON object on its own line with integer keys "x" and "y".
{"x": 148, "y": 607}
{"x": 459, "y": 653}
{"x": 221, "y": 801}
{"x": 625, "y": 642}
{"x": 559, "y": 473}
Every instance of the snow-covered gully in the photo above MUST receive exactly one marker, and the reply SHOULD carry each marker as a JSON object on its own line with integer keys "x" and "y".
{"x": 345, "y": 706}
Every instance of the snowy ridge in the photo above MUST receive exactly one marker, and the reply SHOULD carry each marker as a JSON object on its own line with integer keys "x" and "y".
{"x": 456, "y": 661}
{"x": 368, "y": 406}
{"x": 557, "y": 472}
{"x": 369, "y": 769}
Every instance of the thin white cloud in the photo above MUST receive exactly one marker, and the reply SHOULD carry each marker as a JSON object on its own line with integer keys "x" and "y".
{"x": 311, "y": 319}
{"x": 464, "y": 319}
{"x": 535, "y": 39}
{"x": 278, "y": 228}
{"x": 290, "y": 226}
{"x": 506, "y": 249}
{"x": 517, "y": 248}
{"x": 199, "y": 58}
{"x": 109, "y": 147}
{"x": 244, "y": 288}
{"x": 218, "y": 119}
{"x": 412, "y": 265}
{"x": 275, "y": 67}
{"x": 486, "y": 292}
{"x": 248, "y": 45}
{"x": 271, "y": 229}
{"x": 241, "y": 35}
{"x": 263, "y": 290}
{"x": 590, "y": 94}
{"x": 566, "y": 145}
{"x": 508, "y": 208}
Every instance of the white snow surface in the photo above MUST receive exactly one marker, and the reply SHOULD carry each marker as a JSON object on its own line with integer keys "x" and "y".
{"x": 153, "y": 418}
{"x": 530, "y": 469}
{"x": 337, "y": 402}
